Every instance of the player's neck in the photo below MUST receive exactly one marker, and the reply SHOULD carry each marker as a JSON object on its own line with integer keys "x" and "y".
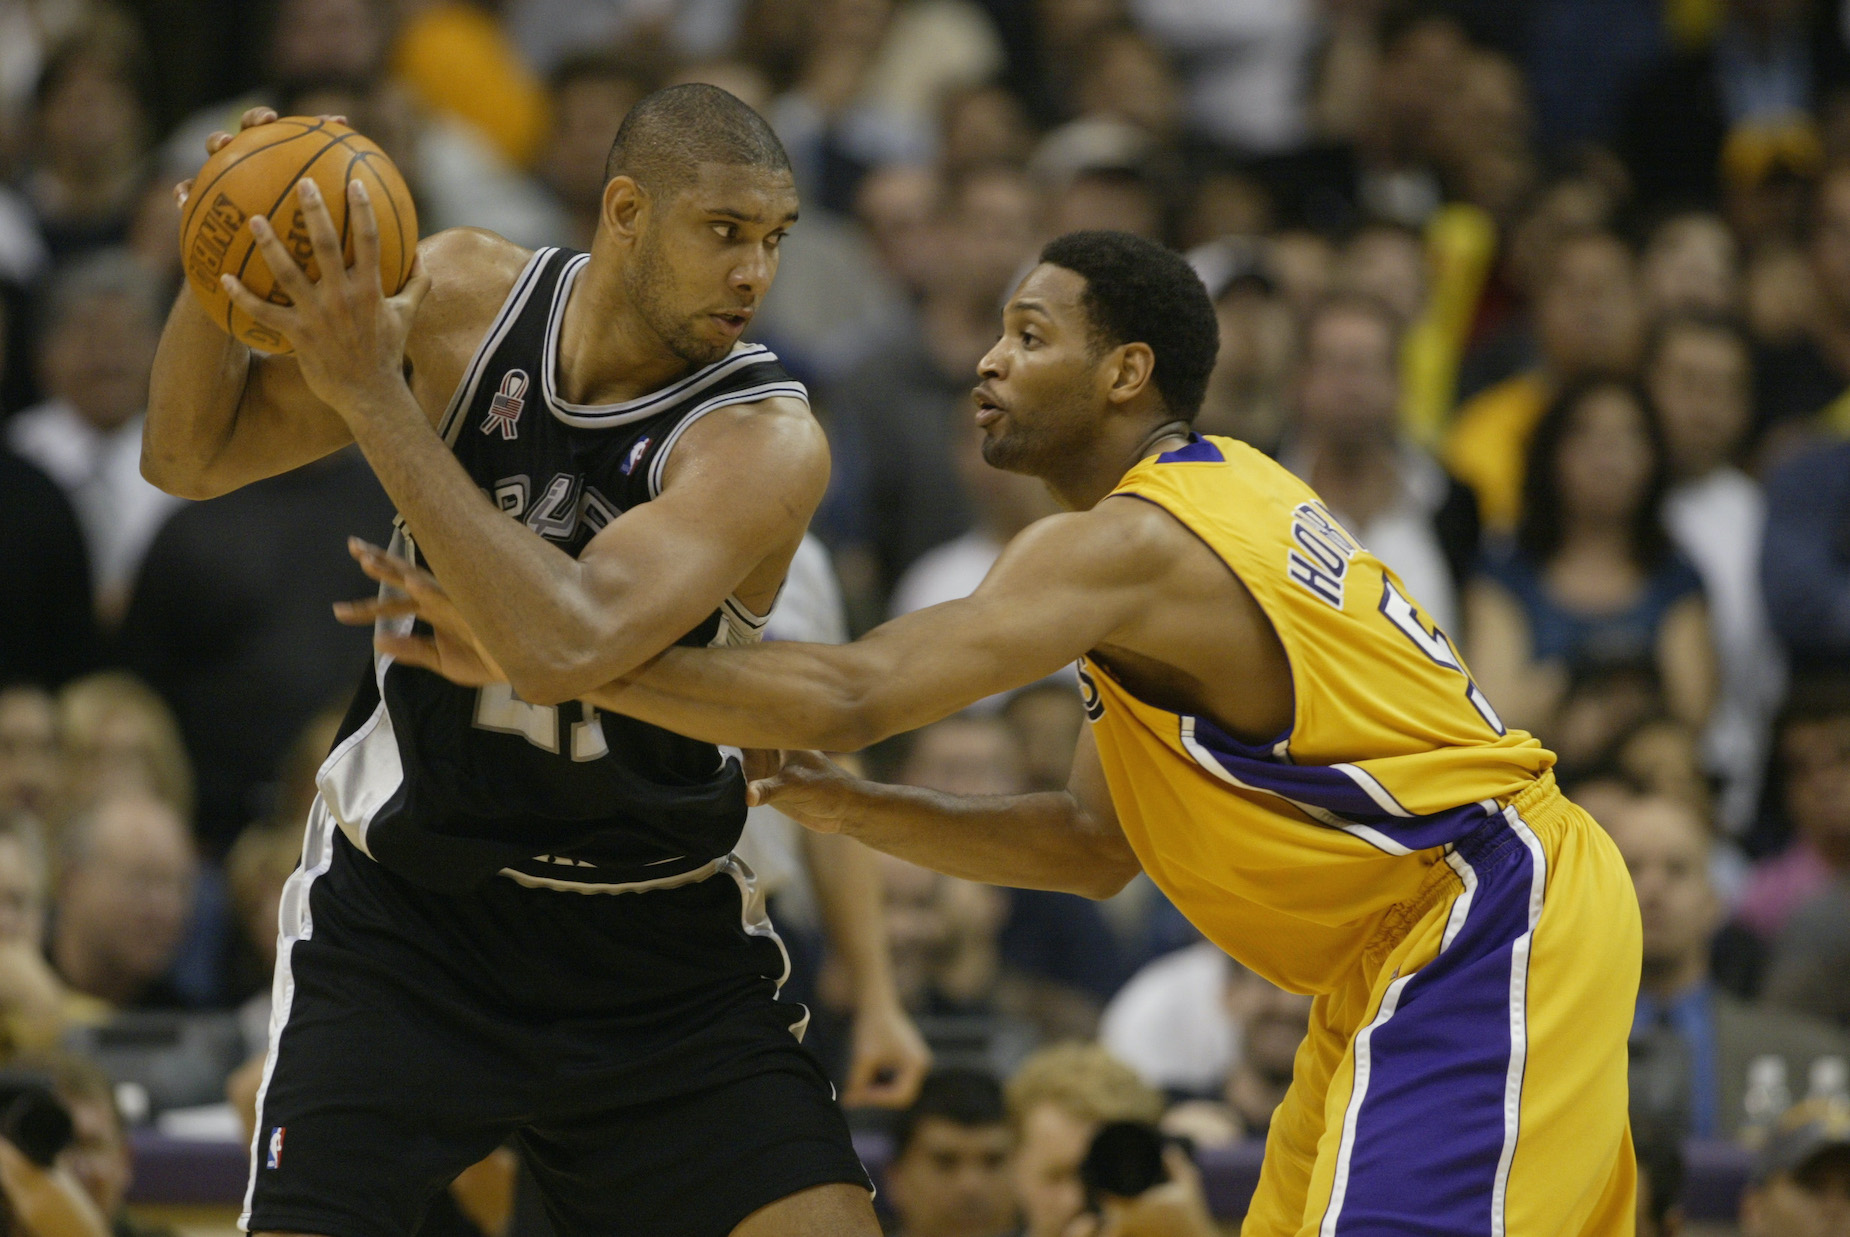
{"x": 1096, "y": 474}
{"x": 607, "y": 352}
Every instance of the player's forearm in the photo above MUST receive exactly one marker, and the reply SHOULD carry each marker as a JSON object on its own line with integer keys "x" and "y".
{"x": 826, "y": 697}
{"x": 524, "y": 599}
{"x": 848, "y": 892}
{"x": 193, "y": 396}
{"x": 1038, "y": 841}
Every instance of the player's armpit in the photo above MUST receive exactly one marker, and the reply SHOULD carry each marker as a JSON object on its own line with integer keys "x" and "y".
{"x": 1058, "y": 589}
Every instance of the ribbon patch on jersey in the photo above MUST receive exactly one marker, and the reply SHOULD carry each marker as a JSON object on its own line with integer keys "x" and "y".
{"x": 504, "y": 408}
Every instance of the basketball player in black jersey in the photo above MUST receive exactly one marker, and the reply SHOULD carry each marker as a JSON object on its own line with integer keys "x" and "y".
{"x": 518, "y": 916}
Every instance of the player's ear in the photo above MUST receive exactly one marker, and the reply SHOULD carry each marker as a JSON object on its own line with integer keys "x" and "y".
{"x": 1134, "y": 366}
{"x": 624, "y": 203}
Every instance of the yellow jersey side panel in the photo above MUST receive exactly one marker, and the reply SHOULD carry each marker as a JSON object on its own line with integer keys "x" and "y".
{"x": 1392, "y": 752}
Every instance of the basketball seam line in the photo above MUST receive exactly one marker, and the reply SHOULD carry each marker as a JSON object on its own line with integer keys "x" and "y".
{"x": 199, "y": 191}
{"x": 231, "y": 306}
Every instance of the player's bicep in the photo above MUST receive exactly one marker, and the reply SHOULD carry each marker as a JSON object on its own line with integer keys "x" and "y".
{"x": 736, "y": 498}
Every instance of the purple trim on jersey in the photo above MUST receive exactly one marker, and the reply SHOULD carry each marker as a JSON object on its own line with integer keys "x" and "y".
{"x": 1435, "y": 1075}
{"x": 1334, "y": 791}
{"x": 1198, "y": 451}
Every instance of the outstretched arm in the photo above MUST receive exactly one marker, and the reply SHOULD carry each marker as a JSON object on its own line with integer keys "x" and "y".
{"x": 1065, "y": 840}
{"x": 1059, "y": 589}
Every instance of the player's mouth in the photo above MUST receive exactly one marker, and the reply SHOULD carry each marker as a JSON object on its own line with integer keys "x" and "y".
{"x": 988, "y": 408}
{"x": 732, "y": 321}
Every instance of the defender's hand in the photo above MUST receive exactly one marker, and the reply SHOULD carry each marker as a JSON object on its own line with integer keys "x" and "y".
{"x": 888, "y": 1058}
{"x": 451, "y": 650}
{"x": 808, "y": 787}
{"x": 349, "y": 336}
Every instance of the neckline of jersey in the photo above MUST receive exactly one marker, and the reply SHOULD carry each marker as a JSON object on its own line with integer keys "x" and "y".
{"x": 630, "y": 409}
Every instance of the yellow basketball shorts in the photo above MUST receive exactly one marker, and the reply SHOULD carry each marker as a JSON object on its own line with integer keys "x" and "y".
{"x": 1471, "y": 1079}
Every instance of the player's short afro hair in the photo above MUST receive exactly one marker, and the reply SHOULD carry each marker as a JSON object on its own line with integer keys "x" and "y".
{"x": 671, "y": 132}
{"x": 1139, "y": 292}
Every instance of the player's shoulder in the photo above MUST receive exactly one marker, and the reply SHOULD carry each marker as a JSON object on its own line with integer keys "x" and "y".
{"x": 1120, "y": 538}
{"x": 471, "y": 272}
{"x": 775, "y": 431}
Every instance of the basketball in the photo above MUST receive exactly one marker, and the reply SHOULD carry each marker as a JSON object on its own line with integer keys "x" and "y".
{"x": 256, "y": 173}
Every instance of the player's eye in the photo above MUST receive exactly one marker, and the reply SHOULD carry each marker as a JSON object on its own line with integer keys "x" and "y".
{"x": 1029, "y": 339}
{"x": 775, "y": 239}
{"x": 725, "y": 231}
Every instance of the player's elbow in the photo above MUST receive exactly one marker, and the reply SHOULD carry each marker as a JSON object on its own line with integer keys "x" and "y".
{"x": 1108, "y": 877}
{"x": 168, "y": 474}
{"x": 857, "y": 714}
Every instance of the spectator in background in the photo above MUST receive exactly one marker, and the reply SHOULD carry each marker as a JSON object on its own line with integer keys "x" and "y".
{"x": 230, "y": 623}
{"x": 90, "y": 139}
{"x": 1813, "y": 747}
{"x": 1249, "y": 390}
{"x": 1004, "y": 503}
{"x": 1592, "y": 579}
{"x": 96, "y": 349}
{"x": 1171, "y": 1021}
{"x": 1660, "y": 1178}
{"x": 943, "y": 936}
{"x": 1805, "y": 563}
{"x": 29, "y": 773}
{"x": 1809, "y": 374}
{"x": 981, "y": 126}
{"x": 1691, "y": 265}
{"x": 1272, "y": 1024}
{"x": 899, "y": 412}
{"x": 36, "y": 1007}
{"x": 125, "y": 894}
{"x": 869, "y": 77}
{"x": 1060, "y": 960}
{"x": 949, "y": 1175}
{"x": 1691, "y": 1044}
{"x": 1801, "y": 1178}
{"x": 1127, "y": 77}
{"x": 99, "y": 1159}
{"x": 1246, "y": 68}
{"x": 1587, "y": 321}
{"x": 47, "y": 611}
{"x": 1047, "y": 718}
{"x": 591, "y": 93}
{"x": 118, "y": 737}
{"x": 457, "y": 58}
{"x": 1698, "y": 371}
{"x": 1056, "y": 1102}
{"x": 1346, "y": 444}
{"x": 311, "y": 43}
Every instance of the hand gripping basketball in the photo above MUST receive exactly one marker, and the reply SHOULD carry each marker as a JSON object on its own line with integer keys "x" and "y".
{"x": 256, "y": 172}
{"x": 348, "y": 335}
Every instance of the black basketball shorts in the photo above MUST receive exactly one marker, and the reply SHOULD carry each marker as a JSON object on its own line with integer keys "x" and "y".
{"x": 631, "y": 1045}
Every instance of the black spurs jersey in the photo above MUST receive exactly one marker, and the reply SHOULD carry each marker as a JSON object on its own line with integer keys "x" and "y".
{"x": 449, "y": 785}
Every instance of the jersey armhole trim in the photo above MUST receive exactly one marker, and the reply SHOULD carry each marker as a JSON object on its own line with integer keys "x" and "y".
{"x": 748, "y": 395}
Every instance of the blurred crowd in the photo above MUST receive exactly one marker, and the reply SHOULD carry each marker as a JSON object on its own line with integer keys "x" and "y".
{"x": 1549, "y": 299}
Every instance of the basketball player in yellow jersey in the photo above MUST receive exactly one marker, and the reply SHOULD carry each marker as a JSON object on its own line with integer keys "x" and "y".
{"x": 1279, "y": 736}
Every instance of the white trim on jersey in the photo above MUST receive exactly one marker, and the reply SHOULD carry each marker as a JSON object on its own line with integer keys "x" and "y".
{"x": 294, "y": 922}
{"x": 745, "y": 395}
{"x": 451, "y": 424}
{"x": 602, "y": 416}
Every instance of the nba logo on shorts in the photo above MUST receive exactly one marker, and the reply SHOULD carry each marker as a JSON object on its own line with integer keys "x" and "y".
{"x": 504, "y": 408}
{"x": 275, "y": 1159}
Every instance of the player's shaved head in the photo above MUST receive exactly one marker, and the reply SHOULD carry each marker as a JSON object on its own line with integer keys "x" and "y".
{"x": 670, "y": 133}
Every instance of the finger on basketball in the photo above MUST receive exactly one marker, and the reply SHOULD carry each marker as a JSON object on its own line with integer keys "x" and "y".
{"x": 365, "y": 227}
{"x": 183, "y": 191}
{"x": 276, "y": 317}
{"x": 287, "y": 276}
{"x": 256, "y": 116}
{"x": 215, "y": 142}
{"x": 322, "y": 234}
{"x": 417, "y": 284}
{"x": 367, "y": 609}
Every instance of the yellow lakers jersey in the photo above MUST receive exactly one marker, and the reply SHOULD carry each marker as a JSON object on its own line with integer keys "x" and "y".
{"x": 1294, "y": 853}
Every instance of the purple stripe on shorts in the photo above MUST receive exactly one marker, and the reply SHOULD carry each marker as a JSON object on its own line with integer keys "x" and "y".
{"x": 1424, "y": 1140}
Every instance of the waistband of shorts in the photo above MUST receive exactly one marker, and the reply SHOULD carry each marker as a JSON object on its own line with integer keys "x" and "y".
{"x": 579, "y": 877}
{"x": 1540, "y": 806}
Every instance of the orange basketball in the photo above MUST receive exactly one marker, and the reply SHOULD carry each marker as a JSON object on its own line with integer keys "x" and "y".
{"x": 256, "y": 174}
